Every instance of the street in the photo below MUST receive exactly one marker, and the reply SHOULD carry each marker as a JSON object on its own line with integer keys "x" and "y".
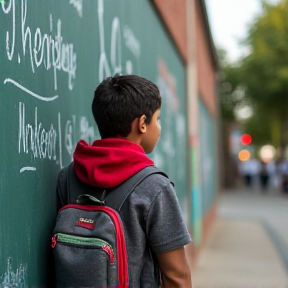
{"x": 248, "y": 244}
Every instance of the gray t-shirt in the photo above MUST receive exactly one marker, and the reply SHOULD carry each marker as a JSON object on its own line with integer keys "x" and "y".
{"x": 151, "y": 216}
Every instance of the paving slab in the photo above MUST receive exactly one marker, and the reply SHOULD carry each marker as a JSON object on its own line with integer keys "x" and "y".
{"x": 239, "y": 254}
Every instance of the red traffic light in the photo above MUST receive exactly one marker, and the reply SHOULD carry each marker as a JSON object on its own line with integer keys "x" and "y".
{"x": 246, "y": 139}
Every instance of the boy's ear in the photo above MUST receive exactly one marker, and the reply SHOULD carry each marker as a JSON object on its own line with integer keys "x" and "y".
{"x": 142, "y": 124}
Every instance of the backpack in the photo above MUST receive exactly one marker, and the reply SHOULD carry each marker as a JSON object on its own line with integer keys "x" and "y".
{"x": 89, "y": 240}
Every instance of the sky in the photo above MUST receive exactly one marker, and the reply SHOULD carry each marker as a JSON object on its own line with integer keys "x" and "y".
{"x": 229, "y": 20}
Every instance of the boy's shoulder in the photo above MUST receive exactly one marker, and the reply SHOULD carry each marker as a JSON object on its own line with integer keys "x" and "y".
{"x": 157, "y": 180}
{"x": 152, "y": 186}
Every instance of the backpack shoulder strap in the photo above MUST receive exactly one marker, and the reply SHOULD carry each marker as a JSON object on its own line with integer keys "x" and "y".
{"x": 62, "y": 186}
{"x": 71, "y": 186}
{"x": 118, "y": 195}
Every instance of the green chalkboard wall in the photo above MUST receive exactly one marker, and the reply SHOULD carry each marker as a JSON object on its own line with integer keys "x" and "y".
{"x": 207, "y": 157}
{"x": 52, "y": 56}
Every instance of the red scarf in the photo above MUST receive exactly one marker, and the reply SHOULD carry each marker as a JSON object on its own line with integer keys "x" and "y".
{"x": 108, "y": 162}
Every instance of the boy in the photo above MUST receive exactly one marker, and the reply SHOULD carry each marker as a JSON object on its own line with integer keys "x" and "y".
{"x": 127, "y": 111}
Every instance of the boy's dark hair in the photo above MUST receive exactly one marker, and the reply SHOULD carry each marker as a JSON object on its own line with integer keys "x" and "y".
{"x": 118, "y": 100}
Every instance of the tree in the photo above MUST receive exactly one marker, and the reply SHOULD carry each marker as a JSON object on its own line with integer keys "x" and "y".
{"x": 258, "y": 81}
{"x": 264, "y": 74}
{"x": 228, "y": 84}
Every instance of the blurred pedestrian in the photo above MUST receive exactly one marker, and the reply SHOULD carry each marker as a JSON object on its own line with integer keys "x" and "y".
{"x": 283, "y": 172}
{"x": 264, "y": 176}
{"x": 273, "y": 175}
{"x": 250, "y": 170}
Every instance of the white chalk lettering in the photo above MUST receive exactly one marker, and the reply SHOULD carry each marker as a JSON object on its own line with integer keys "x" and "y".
{"x": 6, "y": 11}
{"x": 86, "y": 131}
{"x": 26, "y": 33}
{"x": 34, "y": 138}
{"x": 43, "y": 98}
{"x": 78, "y": 5}
{"x": 42, "y": 48}
{"x": 69, "y": 132}
{"x": 14, "y": 278}
{"x": 27, "y": 169}
{"x": 116, "y": 47}
{"x": 131, "y": 41}
{"x": 60, "y": 140}
{"x": 70, "y": 138}
{"x": 105, "y": 68}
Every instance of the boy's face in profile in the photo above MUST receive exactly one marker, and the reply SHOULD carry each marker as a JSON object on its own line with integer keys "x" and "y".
{"x": 152, "y": 134}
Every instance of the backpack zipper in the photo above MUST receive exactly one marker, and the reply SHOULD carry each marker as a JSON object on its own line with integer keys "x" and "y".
{"x": 76, "y": 240}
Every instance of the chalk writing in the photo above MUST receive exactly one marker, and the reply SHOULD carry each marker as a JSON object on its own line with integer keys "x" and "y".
{"x": 168, "y": 83}
{"x": 171, "y": 147}
{"x": 14, "y": 279}
{"x": 86, "y": 133}
{"x": 43, "y": 98}
{"x": 42, "y": 142}
{"x": 70, "y": 135}
{"x": 49, "y": 51}
{"x": 60, "y": 140}
{"x": 7, "y": 10}
{"x": 131, "y": 42}
{"x": 105, "y": 68}
{"x": 78, "y": 5}
{"x": 35, "y": 138}
{"x": 27, "y": 169}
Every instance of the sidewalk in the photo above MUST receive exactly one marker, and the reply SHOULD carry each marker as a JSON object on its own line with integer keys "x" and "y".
{"x": 247, "y": 245}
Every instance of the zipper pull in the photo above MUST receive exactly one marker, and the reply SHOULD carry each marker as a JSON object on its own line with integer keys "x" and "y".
{"x": 112, "y": 274}
{"x": 54, "y": 241}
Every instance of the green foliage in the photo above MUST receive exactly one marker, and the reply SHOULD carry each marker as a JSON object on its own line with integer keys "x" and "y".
{"x": 264, "y": 74}
{"x": 267, "y": 65}
{"x": 228, "y": 83}
{"x": 265, "y": 129}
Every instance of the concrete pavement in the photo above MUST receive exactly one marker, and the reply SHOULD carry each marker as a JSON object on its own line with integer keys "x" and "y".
{"x": 248, "y": 244}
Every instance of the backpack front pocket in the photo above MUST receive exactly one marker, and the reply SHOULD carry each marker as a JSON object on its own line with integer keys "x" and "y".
{"x": 84, "y": 262}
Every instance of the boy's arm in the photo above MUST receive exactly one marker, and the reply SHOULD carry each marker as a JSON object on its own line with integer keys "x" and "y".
{"x": 174, "y": 268}
{"x": 167, "y": 235}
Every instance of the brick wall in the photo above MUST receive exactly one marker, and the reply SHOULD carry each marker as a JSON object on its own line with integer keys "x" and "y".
{"x": 206, "y": 69}
{"x": 174, "y": 15}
